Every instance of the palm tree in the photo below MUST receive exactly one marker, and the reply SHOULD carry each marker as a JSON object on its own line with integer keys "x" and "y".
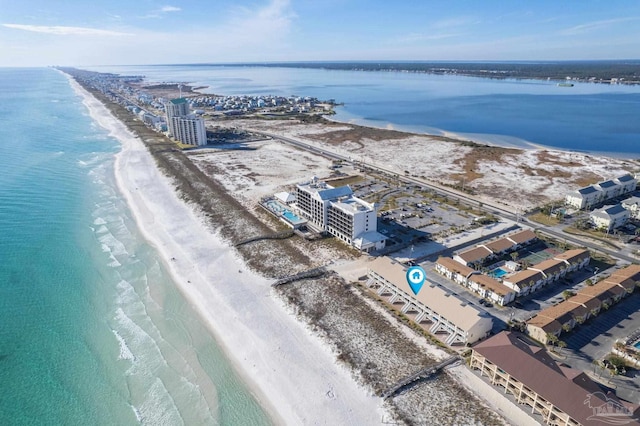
{"x": 566, "y": 328}
{"x": 552, "y": 339}
{"x": 514, "y": 256}
{"x": 562, "y": 344}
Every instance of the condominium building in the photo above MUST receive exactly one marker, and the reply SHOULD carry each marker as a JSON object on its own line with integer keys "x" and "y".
{"x": 587, "y": 303}
{"x": 337, "y": 212}
{"x": 587, "y": 197}
{"x": 183, "y": 126}
{"x": 452, "y": 319}
{"x": 482, "y": 284}
{"x": 560, "y": 395}
{"x": 610, "y": 217}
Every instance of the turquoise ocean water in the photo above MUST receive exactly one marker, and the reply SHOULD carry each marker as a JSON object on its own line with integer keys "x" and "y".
{"x": 92, "y": 329}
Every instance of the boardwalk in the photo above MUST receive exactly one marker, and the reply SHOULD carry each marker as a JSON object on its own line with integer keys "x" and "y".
{"x": 412, "y": 380}
{"x": 311, "y": 273}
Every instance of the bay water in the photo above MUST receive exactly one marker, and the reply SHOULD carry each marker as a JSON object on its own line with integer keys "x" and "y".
{"x": 92, "y": 330}
{"x": 587, "y": 117}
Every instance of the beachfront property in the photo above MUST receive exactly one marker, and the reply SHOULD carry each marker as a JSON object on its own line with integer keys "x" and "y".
{"x": 337, "y": 212}
{"x": 476, "y": 256}
{"x": 559, "y": 394}
{"x": 609, "y": 218}
{"x": 481, "y": 284}
{"x": 448, "y": 317}
{"x": 539, "y": 275}
{"x": 185, "y": 127}
{"x": 587, "y": 303}
{"x": 588, "y": 196}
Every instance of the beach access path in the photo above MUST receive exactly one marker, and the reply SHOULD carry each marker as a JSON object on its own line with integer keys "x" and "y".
{"x": 291, "y": 372}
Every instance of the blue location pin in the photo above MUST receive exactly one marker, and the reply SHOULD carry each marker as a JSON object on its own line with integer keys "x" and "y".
{"x": 415, "y": 278}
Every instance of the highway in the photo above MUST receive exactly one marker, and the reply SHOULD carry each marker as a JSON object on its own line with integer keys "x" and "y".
{"x": 465, "y": 198}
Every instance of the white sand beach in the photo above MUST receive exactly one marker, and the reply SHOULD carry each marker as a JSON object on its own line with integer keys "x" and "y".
{"x": 291, "y": 372}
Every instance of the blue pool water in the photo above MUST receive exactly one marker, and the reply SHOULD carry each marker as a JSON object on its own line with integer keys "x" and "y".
{"x": 498, "y": 273}
{"x": 292, "y": 217}
{"x": 637, "y": 345}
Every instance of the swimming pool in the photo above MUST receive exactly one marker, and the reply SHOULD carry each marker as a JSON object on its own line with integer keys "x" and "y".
{"x": 292, "y": 217}
{"x": 498, "y": 273}
{"x": 637, "y": 345}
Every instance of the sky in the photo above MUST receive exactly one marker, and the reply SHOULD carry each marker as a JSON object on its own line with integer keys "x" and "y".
{"x": 140, "y": 32}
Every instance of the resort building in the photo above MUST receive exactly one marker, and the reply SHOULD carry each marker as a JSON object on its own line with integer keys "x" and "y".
{"x": 484, "y": 285}
{"x": 184, "y": 127}
{"x": 559, "y": 394}
{"x": 632, "y": 205}
{"x": 448, "y": 317}
{"x": 587, "y": 197}
{"x": 337, "y": 212}
{"x": 588, "y": 303}
{"x": 610, "y": 217}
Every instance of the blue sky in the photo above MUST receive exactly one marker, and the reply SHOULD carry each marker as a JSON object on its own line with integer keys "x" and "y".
{"x": 116, "y": 32}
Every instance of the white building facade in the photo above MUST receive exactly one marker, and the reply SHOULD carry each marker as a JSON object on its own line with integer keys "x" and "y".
{"x": 609, "y": 217}
{"x": 183, "y": 126}
{"x": 587, "y": 197}
{"x": 337, "y": 212}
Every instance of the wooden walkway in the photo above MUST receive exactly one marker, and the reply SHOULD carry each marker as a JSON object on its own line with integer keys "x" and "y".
{"x": 275, "y": 236}
{"x": 407, "y": 383}
{"x": 311, "y": 273}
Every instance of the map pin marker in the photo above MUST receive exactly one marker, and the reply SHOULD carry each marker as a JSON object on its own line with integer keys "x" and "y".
{"x": 415, "y": 278}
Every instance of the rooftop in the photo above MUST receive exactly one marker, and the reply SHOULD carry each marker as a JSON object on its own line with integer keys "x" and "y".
{"x": 463, "y": 315}
{"x": 475, "y": 254}
{"x": 522, "y": 236}
{"x": 570, "y": 390}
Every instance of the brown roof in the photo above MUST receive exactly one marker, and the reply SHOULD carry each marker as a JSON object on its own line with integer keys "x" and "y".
{"x": 610, "y": 286}
{"x": 523, "y": 278}
{"x": 564, "y": 311}
{"x": 491, "y": 284}
{"x": 549, "y": 266}
{"x": 590, "y": 302}
{"x": 597, "y": 291}
{"x": 571, "y": 391}
{"x": 574, "y": 255}
{"x": 454, "y": 266}
{"x": 522, "y": 236}
{"x": 548, "y": 325}
{"x": 500, "y": 245}
{"x": 463, "y": 315}
{"x": 474, "y": 254}
{"x": 627, "y": 284}
{"x": 631, "y": 271}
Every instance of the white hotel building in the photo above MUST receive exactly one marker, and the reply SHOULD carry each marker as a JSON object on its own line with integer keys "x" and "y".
{"x": 183, "y": 126}
{"x": 337, "y": 212}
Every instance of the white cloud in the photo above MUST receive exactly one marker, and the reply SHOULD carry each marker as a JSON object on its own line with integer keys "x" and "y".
{"x": 62, "y": 30}
{"x": 596, "y": 25}
{"x": 166, "y": 9}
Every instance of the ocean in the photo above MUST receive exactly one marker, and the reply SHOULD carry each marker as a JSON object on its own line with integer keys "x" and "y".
{"x": 587, "y": 117}
{"x": 93, "y": 330}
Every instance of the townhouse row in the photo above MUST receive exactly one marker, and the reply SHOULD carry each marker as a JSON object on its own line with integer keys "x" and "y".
{"x": 546, "y": 272}
{"x": 589, "y": 196}
{"x": 476, "y": 256}
{"x": 587, "y": 303}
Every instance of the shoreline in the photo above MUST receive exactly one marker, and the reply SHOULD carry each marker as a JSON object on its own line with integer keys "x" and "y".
{"x": 492, "y": 140}
{"x": 331, "y": 392}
